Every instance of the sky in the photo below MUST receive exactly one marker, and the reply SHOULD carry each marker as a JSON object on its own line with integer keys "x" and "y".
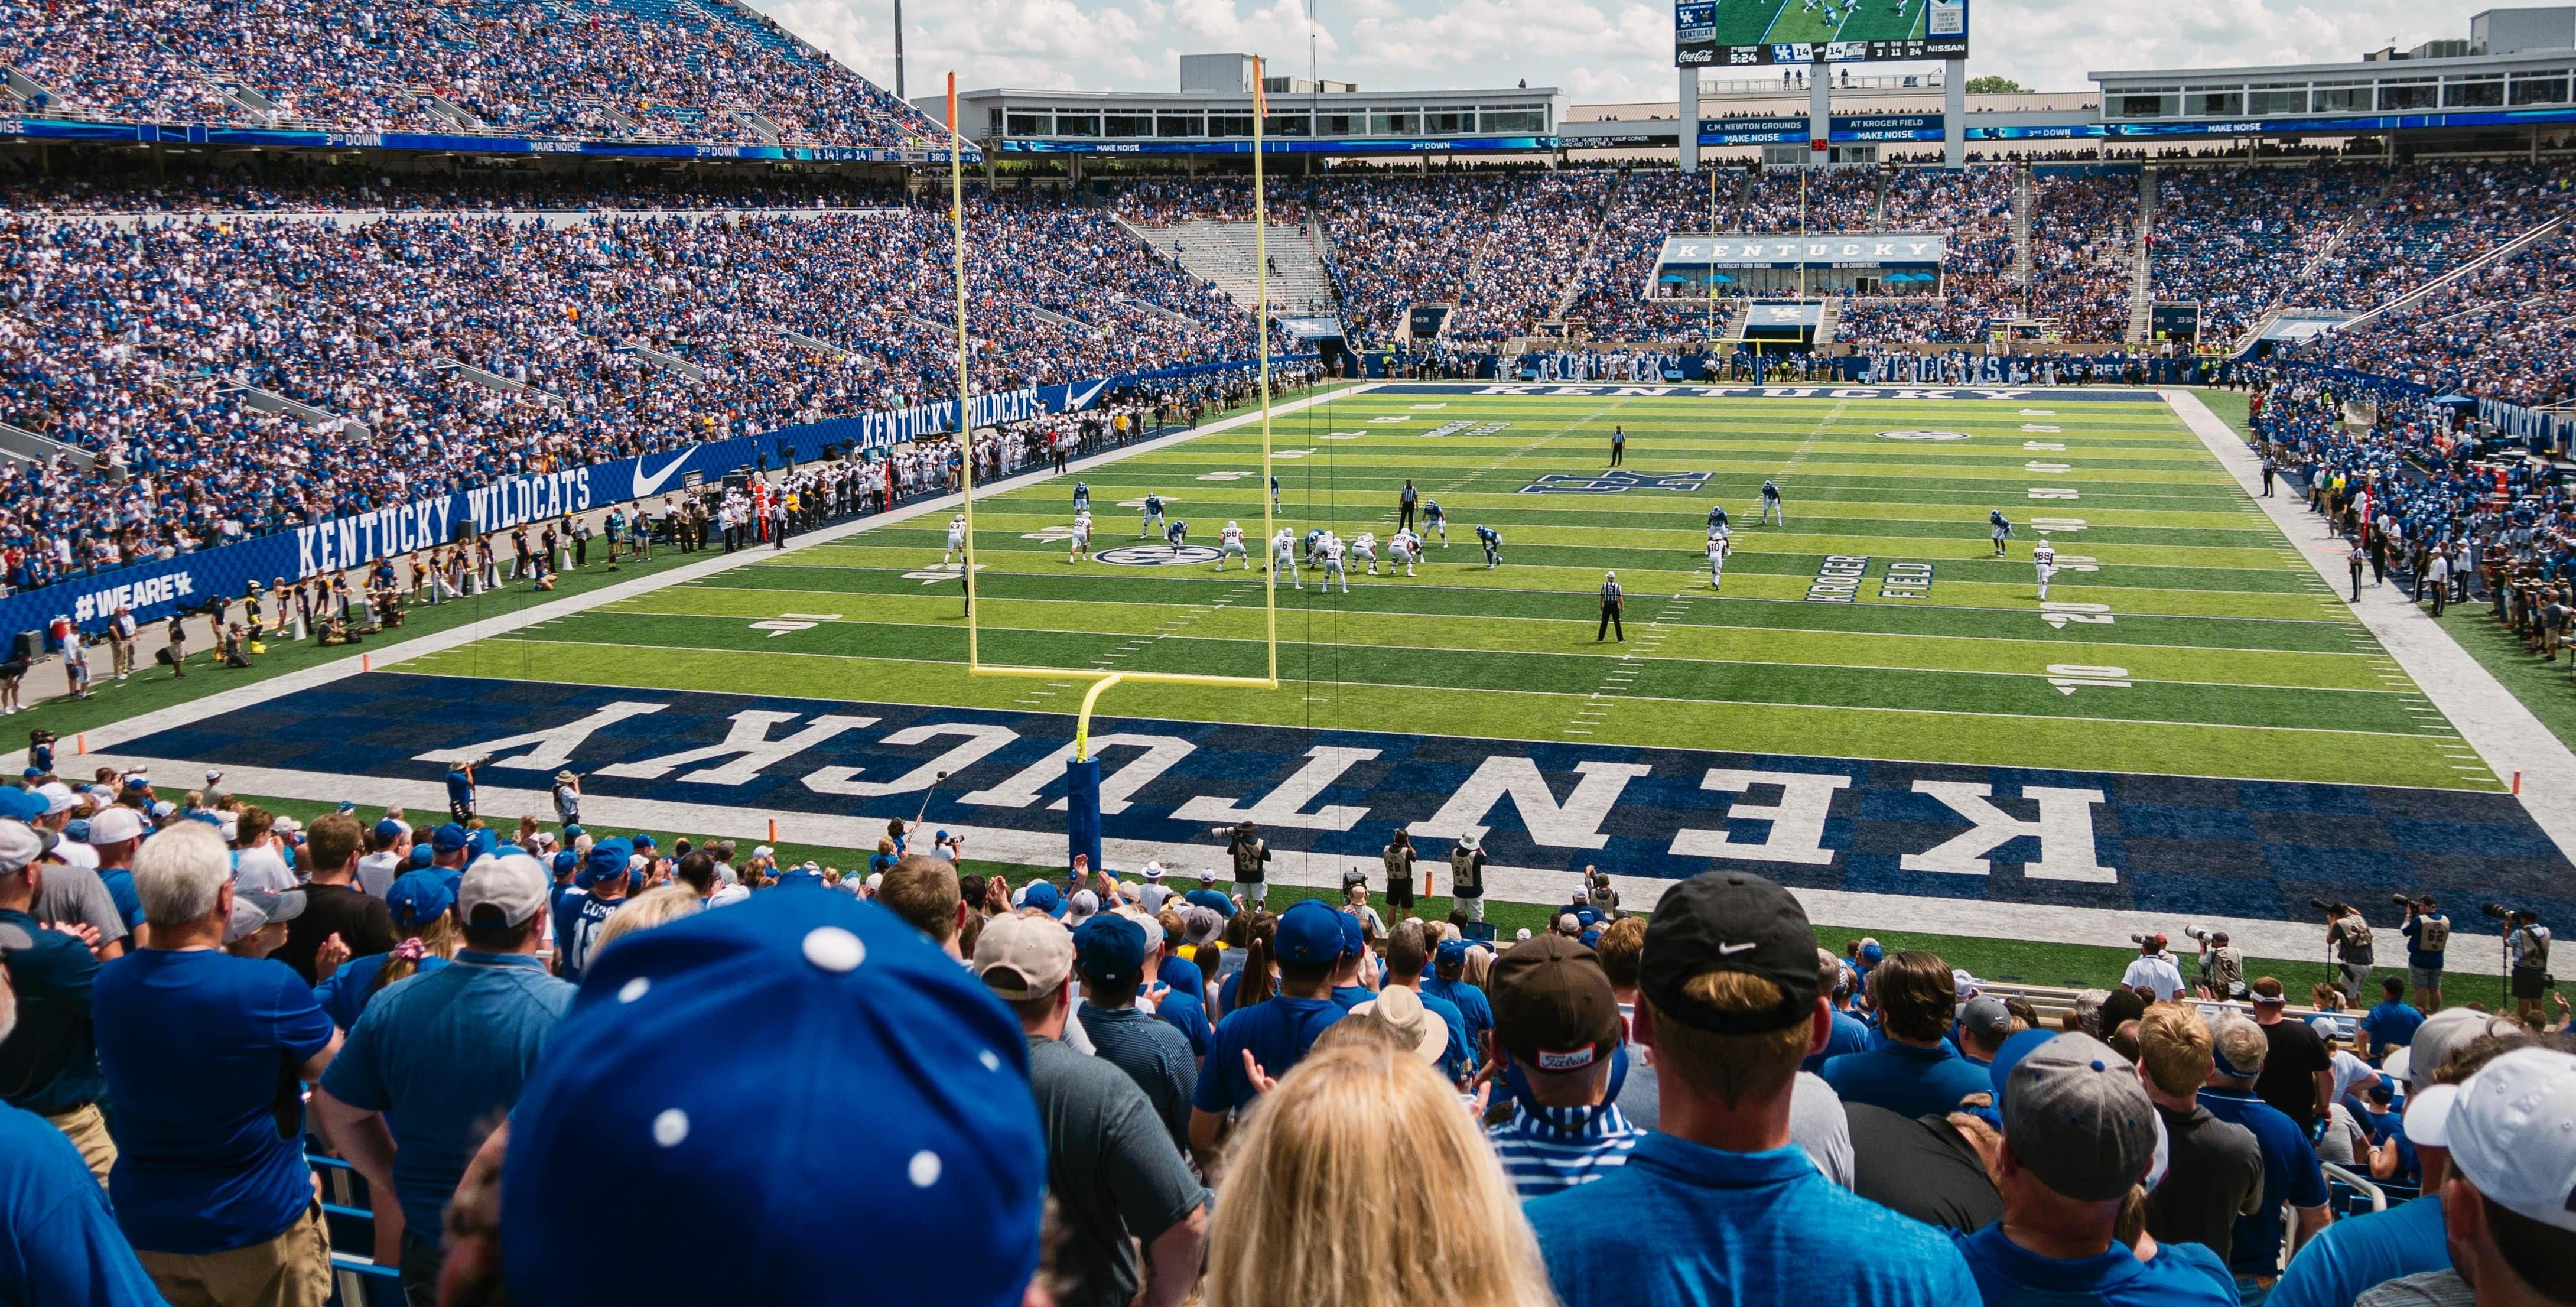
{"x": 1595, "y": 51}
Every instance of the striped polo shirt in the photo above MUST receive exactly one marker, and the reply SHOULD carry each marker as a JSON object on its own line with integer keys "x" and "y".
{"x": 1552, "y": 1148}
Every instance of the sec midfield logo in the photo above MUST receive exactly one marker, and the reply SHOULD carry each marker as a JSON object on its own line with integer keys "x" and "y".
{"x": 1156, "y": 555}
{"x": 1923, "y": 435}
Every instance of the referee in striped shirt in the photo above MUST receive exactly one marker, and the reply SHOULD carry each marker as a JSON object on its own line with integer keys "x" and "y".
{"x": 1557, "y": 1021}
{"x": 1611, "y": 598}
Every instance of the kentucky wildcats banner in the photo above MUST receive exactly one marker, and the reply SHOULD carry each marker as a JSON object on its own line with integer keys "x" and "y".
{"x": 2542, "y": 432}
{"x": 156, "y": 590}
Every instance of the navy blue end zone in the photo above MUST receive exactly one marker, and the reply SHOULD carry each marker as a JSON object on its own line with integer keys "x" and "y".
{"x": 2184, "y": 846}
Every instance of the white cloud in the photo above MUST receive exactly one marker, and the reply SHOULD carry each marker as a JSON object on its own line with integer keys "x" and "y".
{"x": 1595, "y": 50}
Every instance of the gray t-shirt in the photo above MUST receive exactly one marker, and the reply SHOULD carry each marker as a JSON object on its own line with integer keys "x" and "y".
{"x": 2442, "y": 1288}
{"x": 1112, "y": 1167}
{"x": 76, "y": 895}
{"x": 1154, "y": 1053}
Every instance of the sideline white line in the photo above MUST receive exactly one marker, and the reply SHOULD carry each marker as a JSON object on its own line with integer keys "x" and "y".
{"x": 1974, "y": 918}
{"x": 2505, "y": 734}
{"x": 196, "y": 710}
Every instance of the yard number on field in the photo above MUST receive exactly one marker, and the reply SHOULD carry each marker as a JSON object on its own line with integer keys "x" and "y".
{"x": 2058, "y": 614}
{"x": 786, "y": 622}
{"x": 2070, "y": 677}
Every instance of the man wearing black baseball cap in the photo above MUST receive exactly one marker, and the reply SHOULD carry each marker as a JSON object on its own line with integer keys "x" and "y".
{"x": 1718, "y": 1205}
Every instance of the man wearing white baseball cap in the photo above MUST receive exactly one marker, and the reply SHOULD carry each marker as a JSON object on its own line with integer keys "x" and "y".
{"x": 2333, "y": 1269}
{"x": 2509, "y": 1203}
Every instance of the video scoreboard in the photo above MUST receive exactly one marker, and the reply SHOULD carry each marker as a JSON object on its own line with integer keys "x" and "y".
{"x": 1745, "y": 33}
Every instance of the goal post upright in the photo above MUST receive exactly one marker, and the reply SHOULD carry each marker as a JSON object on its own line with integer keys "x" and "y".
{"x": 1082, "y": 769}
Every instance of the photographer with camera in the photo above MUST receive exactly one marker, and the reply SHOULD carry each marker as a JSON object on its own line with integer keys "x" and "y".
{"x": 2526, "y": 953}
{"x": 2348, "y": 941}
{"x": 2428, "y": 933}
{"x": 2222, "y": 968}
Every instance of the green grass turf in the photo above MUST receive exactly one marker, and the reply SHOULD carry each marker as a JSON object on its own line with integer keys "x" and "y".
{"x": 2239, "y": 660}
{"x": 1989, "y": 959}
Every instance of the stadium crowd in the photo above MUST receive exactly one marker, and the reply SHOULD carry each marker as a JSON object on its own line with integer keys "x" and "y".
{"x": 716, "y": 73}
{"x": 1093, "y": 1088}
{"x": 2427, "y": 503}
{"x": 154, "y": 347}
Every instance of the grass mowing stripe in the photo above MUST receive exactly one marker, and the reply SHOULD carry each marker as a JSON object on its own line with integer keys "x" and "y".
{"x": 2318, "y": 634}
{"x": 1682, "y": 639}
{"x": 1802, "y": 685}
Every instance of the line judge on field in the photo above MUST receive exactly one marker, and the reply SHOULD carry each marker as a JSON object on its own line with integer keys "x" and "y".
{"x": 1612, "y": 599}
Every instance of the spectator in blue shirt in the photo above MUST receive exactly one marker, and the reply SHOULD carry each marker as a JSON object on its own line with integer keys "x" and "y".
{"x": 420, "y": 906}
{"x": 1268, "y": 1037}
{"x": 1850, "y": 1033}
{"x": 1914, "y": 1071}
{"x": 2290, "y": 1173}
{"x": 2391, "y": 1025}
{"x": 1449, "y": 981}
{"x": 1405, "y": 954}
{"x": 50, "y": 1066}
{"x": 59, "y": 1245}
{"x": 2079, "y": 1134}
{"x": 439, "y": 1058}
{"x": 460, "y": 790}
{"x": 202, "y": 1051}
{"x": 1718, "y": 1205}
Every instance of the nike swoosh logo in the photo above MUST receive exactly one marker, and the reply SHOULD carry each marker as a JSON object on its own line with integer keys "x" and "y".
{"x": 1083, "y": 400}
{"x": 1730, "y": 950}
{"x": 646, "y": 485}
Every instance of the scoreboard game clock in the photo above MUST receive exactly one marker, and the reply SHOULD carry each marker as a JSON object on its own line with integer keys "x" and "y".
{"x": 1741, "y": 33}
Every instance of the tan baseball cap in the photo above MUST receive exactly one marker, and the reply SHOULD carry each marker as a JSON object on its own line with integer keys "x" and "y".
{"x": 1023, "y": 957}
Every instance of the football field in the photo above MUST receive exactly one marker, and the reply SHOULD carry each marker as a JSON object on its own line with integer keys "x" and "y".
{"x": 2184, "y": 636}
{"x": 1874, "y": 707}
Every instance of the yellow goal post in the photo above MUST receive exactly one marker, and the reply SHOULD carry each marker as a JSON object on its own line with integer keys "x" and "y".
{"x": 1102, "y": 680}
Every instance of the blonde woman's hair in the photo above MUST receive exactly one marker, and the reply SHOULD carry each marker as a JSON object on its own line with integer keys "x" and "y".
{"x": 1480, "y": 967}
{"x": 1337, "y": 1165}
{"x": 658, "y": 906}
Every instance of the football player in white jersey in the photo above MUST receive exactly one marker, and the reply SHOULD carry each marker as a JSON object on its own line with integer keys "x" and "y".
{"x": 1333, "y": 548}
{"x": 1283, "y": 555}
{"x": 1365, "y": 548}
{"x": 2043, "y": 559}
{"x": 1404, "y": 547}
{"x": 1081, "y": 539}
{"x": 1230, "y": 541}
{"x": 956, "y": 541}
{"x": 1718, "y": 549}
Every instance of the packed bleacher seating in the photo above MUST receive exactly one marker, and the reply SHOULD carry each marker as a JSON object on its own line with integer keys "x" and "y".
{"x": 1531, "y": 254}
{"x": 2237, "y": 240}
{"x": 1401, "y": 239}
{"x": 712, "y": 72}
{"x": 135, "y": 344}
{"x": 477, "y": 1027}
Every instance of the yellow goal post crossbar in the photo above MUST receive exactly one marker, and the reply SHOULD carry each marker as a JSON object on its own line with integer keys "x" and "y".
{"x": 1102, "y": 680}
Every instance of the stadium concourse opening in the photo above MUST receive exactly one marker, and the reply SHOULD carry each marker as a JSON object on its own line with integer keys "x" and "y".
{"x": 598, "y": 573}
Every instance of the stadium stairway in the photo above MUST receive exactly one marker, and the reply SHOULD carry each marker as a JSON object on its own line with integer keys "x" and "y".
{"x": 2142, "y": 262}
{"x": 1826, "y": 316}
{"x": 1591, "y": 250}
{"x": 1221, "y": 253}
{"x": 2500, "y": 253}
